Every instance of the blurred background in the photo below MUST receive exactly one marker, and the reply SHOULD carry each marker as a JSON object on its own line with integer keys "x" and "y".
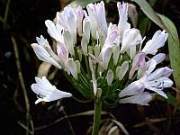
{"x": 20, "y": 22}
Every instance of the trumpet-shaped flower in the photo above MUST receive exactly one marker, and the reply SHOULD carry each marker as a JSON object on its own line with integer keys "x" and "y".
{"x": 158, "y": 40}
{"x": 131, "y": 38}
{"x": 63, "y": 37}
{"x": 63, "y": 53}
{"x": 44, "y": 52}
{"x": 138, "y": 63}
{"x": 155, "y": 81}
{"x": 55, "y": 31}
{"x": 153, "y": 62}
{"x": 111, "y": 41}
{"x": 80, "y": 13}
{"x": 98, "y": 22}
{"x": 68, "y": 20}
{"x": 123, "y": 17}
{"x": 47, "y": 92}
{"x": 86, "y": 35}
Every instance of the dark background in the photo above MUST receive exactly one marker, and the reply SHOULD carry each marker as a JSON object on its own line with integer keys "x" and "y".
{"x": 25, "y": 21}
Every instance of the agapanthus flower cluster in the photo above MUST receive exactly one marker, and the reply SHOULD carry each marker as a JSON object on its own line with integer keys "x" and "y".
{"x": 101, "y": 57}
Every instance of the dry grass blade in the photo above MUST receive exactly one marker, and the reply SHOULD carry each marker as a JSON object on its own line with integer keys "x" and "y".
{"x": 86, "y": 113}
{"x": 156, "y": 120}
{"x": 121, "y": 126}
{"x": 21, "y": 79}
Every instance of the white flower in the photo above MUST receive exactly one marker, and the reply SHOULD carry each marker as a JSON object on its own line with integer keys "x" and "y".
{"x": 80, "y": 13}
{"x": 123, "y": 17}
{"x": 134, "y": 88}
{"x": 97, "y": 18}
{"x": 63, "y": 53}
{"x": 68, "y": 20}
{"x": 71, "y": 20}
{"x": 55, "y": 31}
{"x": 68, "y": 42}
{"x": 158, "y": 80}
{"x": 160, "y": 57}
{"x": 44, "y": 52}
{"x": 47, "y": 92}
{"x": 63, "y": 37}
{"x": 138, "y": 63}
{"x": 134, "y": 94}
{"x": 155, "y": 81}
{"x": 86, "y": 35}
{"x": 112, "y": 35}
{"x": 153, "y": 62}
{"x": 157, "y": 41}
{"x": 131, "y": 38}
{"x": 112, "y": 40}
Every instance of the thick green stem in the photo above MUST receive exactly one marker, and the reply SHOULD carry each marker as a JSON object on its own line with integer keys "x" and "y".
{"x": 97, "y": 116}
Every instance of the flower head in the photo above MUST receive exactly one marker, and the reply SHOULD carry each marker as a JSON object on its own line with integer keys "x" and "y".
{"x": 98, "y": 56}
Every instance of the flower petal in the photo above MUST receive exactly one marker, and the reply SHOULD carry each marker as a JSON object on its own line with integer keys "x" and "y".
{"x": 72, "y": 68}
{"x": 43, "y": 55}
{"x": 132, "y": 89}
{"x": 46, "y": 91}
{"x": 106, "y": 55}
{"x": 86, "y": 35}
{"x": 138, "y": 63}
{"x": 53, "y": 31}
{"x": 68, "y": 40}
{"x": 80, "y": 13}
{"x": 160, "y": 57}
{"x": 57, "y": 94}
{"x": 160, "y": 72}
{"x": 123, "y": 17}
{"x": 141, "y": 99}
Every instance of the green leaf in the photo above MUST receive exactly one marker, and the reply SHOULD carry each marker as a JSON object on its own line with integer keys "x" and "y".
{"x": 149, "y": 12}
{"x": 144, "y": 25}
{"x": 1, "y": 19}
{"x": 83, "y": 3}
{"x": 171, "y": 99}
{"x": 152, "y": 2}
{"x": 174, "y": 48}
